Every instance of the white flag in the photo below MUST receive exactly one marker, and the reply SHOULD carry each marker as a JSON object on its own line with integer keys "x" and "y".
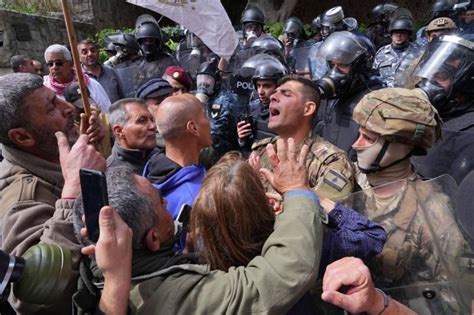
{"x": 205, "y": 18}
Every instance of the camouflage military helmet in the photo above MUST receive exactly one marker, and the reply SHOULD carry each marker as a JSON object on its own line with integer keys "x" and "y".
{"x": 441, "y": 23}
{"x": 401, "y": 115}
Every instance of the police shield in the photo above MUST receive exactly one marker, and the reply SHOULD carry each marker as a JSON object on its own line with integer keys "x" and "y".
{"x": 298, "y": 60}
{"x": 423, "y": 262}
{"x": 453, "y": 155}
{"x": 191, "y": 59}
{"x": 318, "y": 66}
{"x": 131, "y": 78}
{"x": 126, "y": 78}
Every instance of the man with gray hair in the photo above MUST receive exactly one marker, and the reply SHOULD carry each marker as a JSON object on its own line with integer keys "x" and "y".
{"x": 22, "y": 63}
{"x": 61, "y": 73}
{"x": 143, "y": 209}
{"x": 39, "y": 176}
{"x": 135, "y": 134}
{"x": 184, "y": 125}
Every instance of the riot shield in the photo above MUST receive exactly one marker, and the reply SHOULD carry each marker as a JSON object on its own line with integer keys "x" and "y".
{"x": 298, "y": 60}
{"x": 131, "y": 78}
{"x": 190, "y": 60}
{"x": 421, "y": 264}
{"x": 126, "y": 78}
{"x": 318, "y": 66}
{"x": 453, "y": 155}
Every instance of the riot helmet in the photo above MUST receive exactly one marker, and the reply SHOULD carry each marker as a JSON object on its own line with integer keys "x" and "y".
{"x": 440, "y": 26}
{"x": 443, "y": 8}
{"x": 331, "y": 21}
{"x": 398, "y": 116}
{"x": 149, "y": 38}
{"x": 294, "y": 29}
{"x": 381, "y": 13}
{"x": 207, "y": 80}
{"x": 268, "y": 68}
{"x": 347, "y": 49}
{"x": 268, "y": 45}
{"x": 447, "y": 69}
{"x": 127, "y": 44}
{"x": 110, "y": 49}
{"x": 252, "y": 21}
{"x": 401, "y": 23}
{"x": 316, "y": 25}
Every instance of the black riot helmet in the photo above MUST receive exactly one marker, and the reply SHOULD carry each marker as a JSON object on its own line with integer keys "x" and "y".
{"x": 381, "y": 13}
{"x": 294, "y": 28}
{"x": 344, "y": 48}
{"x": 268, "y": 68}
{"x": 252, "y": 15}
{"x": 127, "y": 43}
{"x": 402, "y": 23}
{"x": 146, "y": 31}
{"x": 207, "y": 79}
{"x": 268, "y": 45}
{"x": 447, "y": 70}
{"x": 442, "y": 8}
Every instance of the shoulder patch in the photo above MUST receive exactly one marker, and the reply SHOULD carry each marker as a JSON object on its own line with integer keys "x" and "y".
{"x": 335, "y": 179}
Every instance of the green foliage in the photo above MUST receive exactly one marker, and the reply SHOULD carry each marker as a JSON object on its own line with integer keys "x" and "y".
{"x": 274, "y": 28}
{"x": 32, "y": 6}
{"x": 362, "y": 27}
{"x": 172, "y": 45}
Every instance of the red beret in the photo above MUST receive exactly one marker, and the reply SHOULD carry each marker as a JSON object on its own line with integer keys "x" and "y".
{"x": 181, "y": 75}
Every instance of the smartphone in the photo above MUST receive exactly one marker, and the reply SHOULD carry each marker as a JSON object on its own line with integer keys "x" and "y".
{"x": 94, "y": 197}
{"x": 248, "y": 119}
{"x": 184, "y": 215}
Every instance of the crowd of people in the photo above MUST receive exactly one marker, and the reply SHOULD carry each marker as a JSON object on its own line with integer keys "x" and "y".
{"x": 321, "y": 173}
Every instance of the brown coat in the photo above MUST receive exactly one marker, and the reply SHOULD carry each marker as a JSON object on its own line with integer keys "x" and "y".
{"x": 31, "y": 212}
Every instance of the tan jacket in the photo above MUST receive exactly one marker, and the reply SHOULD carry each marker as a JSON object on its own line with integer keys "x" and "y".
{"x": 31, "y": 212}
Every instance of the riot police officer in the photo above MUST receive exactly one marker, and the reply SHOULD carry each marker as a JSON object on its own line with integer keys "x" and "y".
{"x": 446, "y": 78}
{"x": 127, "y": 52}
{"x": 296, "y": 45}
{"x": 349, "y": 59}
{"x": 253, "y": 125}
{"x": 377, "y": 30}
{"x": 440, "y": 26}
{"x": 333, "y": 20}
{"x": 316, "y": 29}
{"x": 221, "y": 108}
{"x": 252, "y": 21}
{"x": 392, "y": 60}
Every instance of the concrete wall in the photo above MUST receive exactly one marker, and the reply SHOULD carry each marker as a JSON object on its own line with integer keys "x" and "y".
{"x": 30, "y": 34}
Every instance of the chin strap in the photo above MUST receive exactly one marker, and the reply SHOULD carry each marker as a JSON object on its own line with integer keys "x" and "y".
{"x": 376, "y": 167}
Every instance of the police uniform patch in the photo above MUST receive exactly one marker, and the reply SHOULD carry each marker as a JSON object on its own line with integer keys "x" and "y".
{"x": 336, "y": 180}
{"x": 215, "y": 110}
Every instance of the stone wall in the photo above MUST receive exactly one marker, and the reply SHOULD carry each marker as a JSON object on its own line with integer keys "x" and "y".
{"x": 30, "y": 34}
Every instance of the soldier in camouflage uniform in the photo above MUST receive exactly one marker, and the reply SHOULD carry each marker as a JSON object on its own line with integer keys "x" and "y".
{"x": 394, "y": 124}
{"x": 292, "y": 110}
{"x": 392, "y": 60}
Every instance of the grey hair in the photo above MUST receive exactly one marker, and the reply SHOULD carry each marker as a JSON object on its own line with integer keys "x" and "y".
{"x": 58, "y": 49}
{"x": 14, "y": 88}
{"x": 117, "y": 112}
{"x": 133, "y": 206}
{"x": 16, "y": 61}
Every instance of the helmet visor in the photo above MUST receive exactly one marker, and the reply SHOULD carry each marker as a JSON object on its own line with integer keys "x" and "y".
{"x": 341, "y": 47}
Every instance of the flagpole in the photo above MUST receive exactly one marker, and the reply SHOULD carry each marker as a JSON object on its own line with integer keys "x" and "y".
{"x": 71, "y": 35}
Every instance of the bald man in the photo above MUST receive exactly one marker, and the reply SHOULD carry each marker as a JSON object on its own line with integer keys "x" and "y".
{"x": 183, "y": 123}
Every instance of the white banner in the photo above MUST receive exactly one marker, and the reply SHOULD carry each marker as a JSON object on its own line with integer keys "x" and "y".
{"x": 205, "y": 18}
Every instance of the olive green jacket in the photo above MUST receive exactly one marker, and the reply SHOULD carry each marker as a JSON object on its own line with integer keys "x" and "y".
{"x": 270, "y": 284}
{"x": 32, "y": 212}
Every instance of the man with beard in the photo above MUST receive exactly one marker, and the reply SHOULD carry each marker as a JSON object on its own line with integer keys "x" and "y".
{"x": 39, "y": 176}
{"x": 89, "y": 57}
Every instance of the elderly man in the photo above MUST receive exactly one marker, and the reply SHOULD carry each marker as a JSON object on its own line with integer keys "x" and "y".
{"x": 135, "y": 134}
{"x": 61, "y": 72}
{"x": 89, "y": 57}
{"x": 183, "y": 123}
{"x": 22, "y": 63}
{"x": 292, "y": 109}
{"x": 36, "y": 191}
